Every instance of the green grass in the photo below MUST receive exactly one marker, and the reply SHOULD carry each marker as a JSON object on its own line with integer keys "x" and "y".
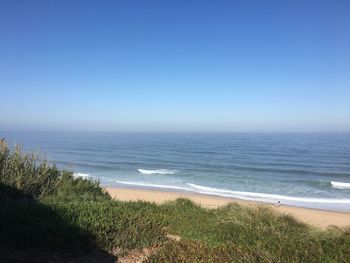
{"x": 257, "y": 233}
{"x": 114, "y": 224}
{"x": 47, "y": 215}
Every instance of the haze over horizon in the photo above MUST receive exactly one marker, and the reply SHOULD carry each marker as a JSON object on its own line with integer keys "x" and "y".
{"x": 175, "y": 66}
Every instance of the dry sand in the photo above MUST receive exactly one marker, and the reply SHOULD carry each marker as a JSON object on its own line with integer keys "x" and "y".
{"x": 318, "y": 218}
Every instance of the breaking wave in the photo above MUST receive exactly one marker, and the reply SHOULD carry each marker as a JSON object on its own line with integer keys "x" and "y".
{"x": 83, "y": 175}
{"x": 265, "y": 197}
{"x": 340, "y": 185}
{"x": 262, "y": 197}
{"x": 157, "y": 171}
{"x": 152, "y": 185}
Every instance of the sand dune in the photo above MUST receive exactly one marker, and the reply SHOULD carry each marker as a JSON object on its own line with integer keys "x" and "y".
{"x": 317, "y": 218}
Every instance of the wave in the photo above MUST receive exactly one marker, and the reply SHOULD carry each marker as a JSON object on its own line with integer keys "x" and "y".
{"x": 262, "y": 197}
{"x": 340, "y": 185}
{"x": 158, "y": 171}
{"x": 265, "y": 197}
{"x": 83, "y": 175}
{"x": 152, "y": 185}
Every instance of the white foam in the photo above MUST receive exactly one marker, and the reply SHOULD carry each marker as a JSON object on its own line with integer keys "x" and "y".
{"x": 157, "y": 171}
{"x": 83, "y": 175}
{"x": 265, "y": 197}
{"x": 272, "y": 198}
{"x": 152, "y": 185}
{"x": 340, "y": 185}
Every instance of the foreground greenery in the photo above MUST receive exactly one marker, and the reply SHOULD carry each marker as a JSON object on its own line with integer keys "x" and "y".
{"x": 47, "y": 215}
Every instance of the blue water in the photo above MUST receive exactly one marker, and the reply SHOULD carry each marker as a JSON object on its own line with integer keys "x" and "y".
{"x": 308, "y": 170}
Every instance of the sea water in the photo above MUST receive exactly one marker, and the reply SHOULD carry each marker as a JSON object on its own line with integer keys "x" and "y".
{"x": 302, "y": 169}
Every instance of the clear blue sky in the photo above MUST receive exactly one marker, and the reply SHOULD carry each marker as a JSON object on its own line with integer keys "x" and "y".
{"x": 175, "y": 65}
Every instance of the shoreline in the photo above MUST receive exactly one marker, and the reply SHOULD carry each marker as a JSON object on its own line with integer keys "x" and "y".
{"x": 314, "y": 217}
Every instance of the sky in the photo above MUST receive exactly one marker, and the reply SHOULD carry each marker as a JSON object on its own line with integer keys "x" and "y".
{"x": 175, "y": 65}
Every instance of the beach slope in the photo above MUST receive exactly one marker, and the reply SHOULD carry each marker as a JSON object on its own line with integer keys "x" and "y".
{"x": 314, "y": 217}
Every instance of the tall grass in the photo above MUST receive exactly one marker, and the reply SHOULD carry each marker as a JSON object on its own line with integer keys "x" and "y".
{"x": 27, "y": 172}
{"x": 34, "y": 175}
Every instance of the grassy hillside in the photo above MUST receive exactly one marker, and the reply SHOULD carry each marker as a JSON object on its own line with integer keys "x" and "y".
{"x": 47, "y": 215}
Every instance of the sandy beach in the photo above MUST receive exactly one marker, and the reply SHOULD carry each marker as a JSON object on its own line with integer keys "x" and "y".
{"x": 314, "y": 217}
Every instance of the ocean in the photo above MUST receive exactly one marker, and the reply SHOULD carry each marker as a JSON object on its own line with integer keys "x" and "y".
{"x": 302, "y": 169}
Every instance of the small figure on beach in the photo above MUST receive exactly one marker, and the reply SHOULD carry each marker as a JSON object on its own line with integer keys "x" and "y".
{"x": 278, "y": 203}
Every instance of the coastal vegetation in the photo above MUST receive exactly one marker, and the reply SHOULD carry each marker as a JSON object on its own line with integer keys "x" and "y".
{"x": 48, "y": 215}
